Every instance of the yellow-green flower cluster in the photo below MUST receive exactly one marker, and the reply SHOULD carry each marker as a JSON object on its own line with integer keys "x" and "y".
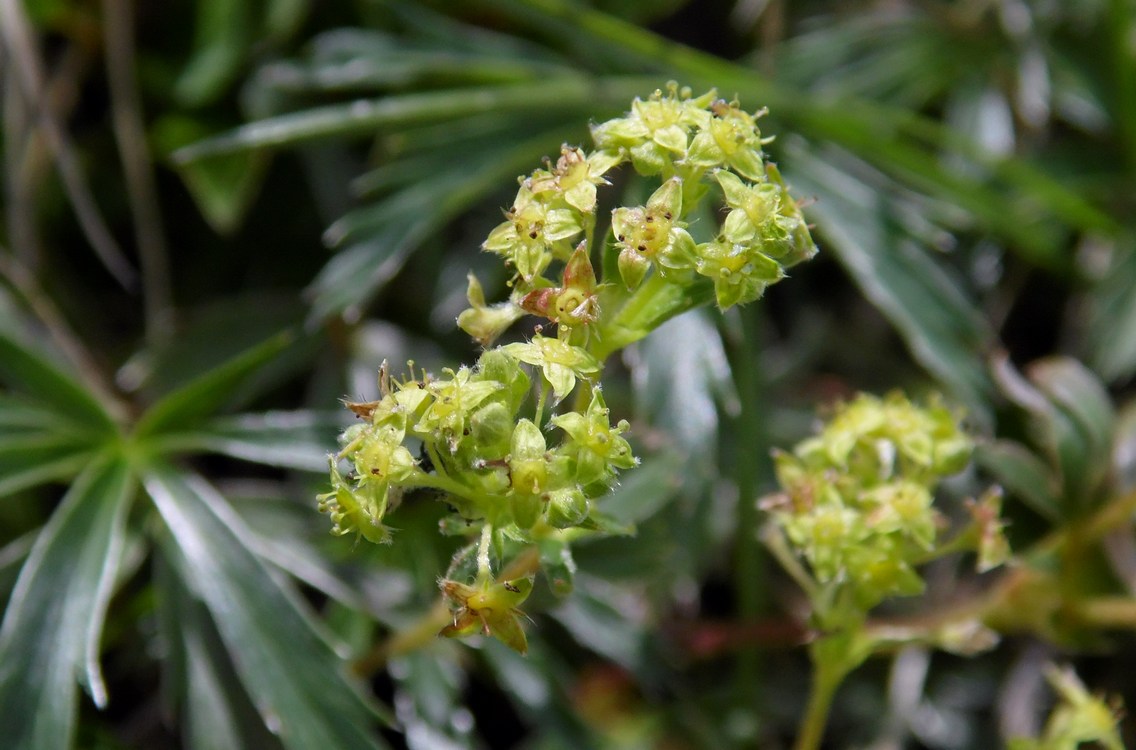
{"x": 695, "y": 146}
{"x": 487, "y": 439}
{"x": 492, "y": 463}
{"x": 689, "y": 141}
{"x": 1080, "y": 719}
{"x": 857, "y": 498}
{"x": 552, "y": 209}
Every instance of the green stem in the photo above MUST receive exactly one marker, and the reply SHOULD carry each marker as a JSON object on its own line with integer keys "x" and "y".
{"x": 589, "y": 230}
{"x": 653, "y": 303}
{"x": 424, "y": 631}
{"x": 749, "y": 563}
{"x": 539, "y": 414}
{"x": 441, "y": 481}
{"x": 774, "y": 541}
{"x": 419, "y": 635}
{"x": 827, "y": 676}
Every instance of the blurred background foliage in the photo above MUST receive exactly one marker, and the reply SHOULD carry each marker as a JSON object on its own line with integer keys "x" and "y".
{"x": 222, "y": 215}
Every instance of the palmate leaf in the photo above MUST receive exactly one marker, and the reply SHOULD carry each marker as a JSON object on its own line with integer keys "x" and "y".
{"x": 30, "y": 460}
{"x": 199, "y": 397}
{"x": 25, "y": 370}
{"x": 291, "y": 673}
{"x": 199, "y": 680}
{"x": 54, "y": 621}
{"x": 50, "y": 423}
{"x": 292, "y": 440}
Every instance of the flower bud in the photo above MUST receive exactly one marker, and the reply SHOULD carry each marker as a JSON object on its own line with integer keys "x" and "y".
{"x": 491, "y": 429}
{"x": 527, "y": 463}
{"x": 486, "y": 322}
{"x": 566, "y": 508}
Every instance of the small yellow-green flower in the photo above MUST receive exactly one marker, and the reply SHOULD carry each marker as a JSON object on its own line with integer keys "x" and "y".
{"x": 597, "y": 448}
{"x": 574, "y": 178}
{"x": 857, "y": 501}
{"x": 534, "y": 231}
{"x": 560, "y": 362}
{"x": 454, "y": 399}
{"x": 656, "y": 132}
{"x": 653, "y": 233}
{"x": 486, "y": 322}
{"x": 489, "y": 608}
{"x": 730, "y": 139}
{"x": 740, "y": 273}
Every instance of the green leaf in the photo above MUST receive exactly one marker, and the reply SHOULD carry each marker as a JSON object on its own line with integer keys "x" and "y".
{"x": 220, "y": 46}
{"x": 281, "y": 534}
{"x": 680, "y": 372}
{"x": 214, "y": 333}
{"x": 291, "y": 673}
{"x": 558, "y": 567}
{"x": 1077, "y": 391}
{"x": 356, "y": 60}
{"x": 643, "y": 491}
{"x": 383, "y": 234}
{"x": 929, "y": 308}
{"x": 1023, "y": 475}
{"x": 367, "y": 117}
{"x": 191, "y": 402}
{"x": 21, "y": 469}
{"x": 1110, "y": 333}
{"x": 54, "y": 621}
{"x": 200, "y": 681}
{"x": 26, "y": 370}
{"x": 1067, "y": 432}
{"x": 292, "y": 440}
{"x": 593, "y": 617}
{"x": 432, "y": 681}
{"x": 223, "y": 186}
{"x": 1124, "y": 449}
{"x": 19, "y": 414}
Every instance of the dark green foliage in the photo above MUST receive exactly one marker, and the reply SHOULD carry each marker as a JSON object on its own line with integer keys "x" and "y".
{"x": 968, "y": 169}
